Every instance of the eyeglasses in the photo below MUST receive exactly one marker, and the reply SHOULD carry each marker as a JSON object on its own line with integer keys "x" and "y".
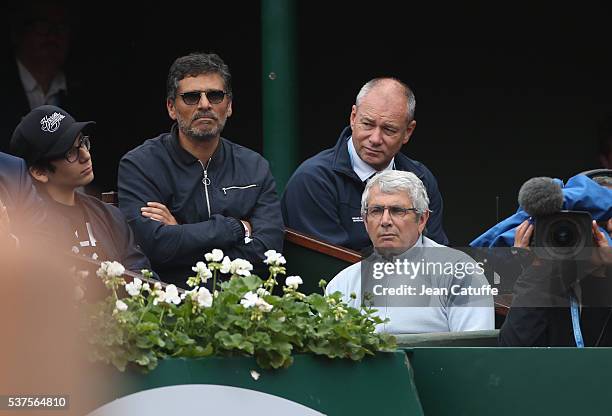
{"x": 377, "y": 211}
{"x": 72, "y": 155}
{"x": 213, "y": 96}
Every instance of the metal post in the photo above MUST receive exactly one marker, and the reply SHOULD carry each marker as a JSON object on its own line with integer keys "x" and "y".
{"x": 279, "y": 88}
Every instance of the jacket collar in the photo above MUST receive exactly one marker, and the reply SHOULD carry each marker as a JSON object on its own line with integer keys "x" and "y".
{"x": 341, "y": 162}
{"x": 183, "y": 157}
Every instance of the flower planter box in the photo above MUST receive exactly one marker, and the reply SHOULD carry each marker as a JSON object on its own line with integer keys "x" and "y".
{"x": 380, "y": 385}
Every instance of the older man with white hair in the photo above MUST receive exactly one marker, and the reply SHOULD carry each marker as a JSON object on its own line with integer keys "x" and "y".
{"x": 420, "y": 285}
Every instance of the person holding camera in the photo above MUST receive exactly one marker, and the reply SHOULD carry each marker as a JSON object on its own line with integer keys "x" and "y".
{"x": 561, "y": 300}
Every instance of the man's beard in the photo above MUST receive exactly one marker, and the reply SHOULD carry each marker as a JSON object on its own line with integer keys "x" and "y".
{"x": 201, "y": 134}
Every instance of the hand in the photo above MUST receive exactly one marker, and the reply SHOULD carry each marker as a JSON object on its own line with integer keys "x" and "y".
{"x": 602, "y": 253}
{"x": 248, "y": 225}
{"x": 158, "y": 212}
{"x": 523, "y": 234}
{"x": 598, "y": 237}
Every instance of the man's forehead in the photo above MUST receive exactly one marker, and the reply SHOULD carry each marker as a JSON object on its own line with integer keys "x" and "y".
{"x": 208, "y": 80}
{"x": 391, "y": 111}
{"x": 397, "y": 196}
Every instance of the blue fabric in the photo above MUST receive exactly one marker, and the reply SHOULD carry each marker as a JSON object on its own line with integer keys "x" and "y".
{"x": 580, "y": 193}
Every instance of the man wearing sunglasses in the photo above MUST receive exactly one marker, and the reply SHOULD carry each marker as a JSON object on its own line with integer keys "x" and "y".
{"x": 322, "y": 196}
{"x": 420, "y": 285}
{"x": 189, "y": 191}
{"x": 57, "y": 155}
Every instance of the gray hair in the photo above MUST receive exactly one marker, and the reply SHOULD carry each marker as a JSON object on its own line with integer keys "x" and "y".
{"x": 195, "y": 64}
{"x": 605, "y": 181}
{"x": 407, "y": 92}
{"x": 393, "y": 181}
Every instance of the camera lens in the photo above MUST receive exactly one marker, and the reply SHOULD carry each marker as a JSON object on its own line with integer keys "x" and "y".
{"x": 563, "y": 234}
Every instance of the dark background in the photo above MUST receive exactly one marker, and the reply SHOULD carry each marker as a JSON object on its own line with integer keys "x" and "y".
{"x": 504, "y": 92}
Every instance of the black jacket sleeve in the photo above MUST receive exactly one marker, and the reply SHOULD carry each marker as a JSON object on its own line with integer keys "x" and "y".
{"x": 310, "y": 205}
{"x": 266, "y": 222}
{"x": 168, "y": 244}
{"x": 131, "y": 256}
{"x": 25, "y": 208}
{"x": 183, "y": 244}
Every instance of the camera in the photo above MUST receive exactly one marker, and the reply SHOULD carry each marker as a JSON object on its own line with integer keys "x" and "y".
{"x": 564, "y": 235}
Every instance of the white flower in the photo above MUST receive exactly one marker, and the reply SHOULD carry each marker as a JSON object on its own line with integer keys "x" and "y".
{"x": 241, "y": 267}
{"x": 133, "y": 288}
{"x": 204, "y": 298}
{"x": 202, "y": 270}
{"x": 263, "y": 305}
{"x": 225, "y": 265}
{"x": 249, "y": 299}
{"x": 160, "y": 296}
{"x": 121, "y": 305}
{"x": 293, "y": 281}
{"x": 255, "y": 375}
{"x": 172, "y": 295}
{"x": 112, "y": 268}
{"x": 262, "y": 292}
{"x": 216, "y": 255}
{"x": 200, "y": 266}
{"x": 273, "y": 258}
{"x": 146, "y": 287}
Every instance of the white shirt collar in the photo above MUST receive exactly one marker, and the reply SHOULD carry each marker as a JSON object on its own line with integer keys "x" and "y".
{"x": 28, "y": 81}
{"x": 361, "y": 168}
{"x": 34, "y": 91}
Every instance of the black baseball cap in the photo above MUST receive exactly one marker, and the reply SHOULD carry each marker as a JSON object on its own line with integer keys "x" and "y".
{"x": 46, "y": 132}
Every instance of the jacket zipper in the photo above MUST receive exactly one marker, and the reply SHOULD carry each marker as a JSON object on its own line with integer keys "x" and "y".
{"x": 206, "y": 182}
{"x": 237, "y": 187}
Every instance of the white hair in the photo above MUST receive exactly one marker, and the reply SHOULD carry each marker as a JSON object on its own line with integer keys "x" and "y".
{"x": 393, "y": 181}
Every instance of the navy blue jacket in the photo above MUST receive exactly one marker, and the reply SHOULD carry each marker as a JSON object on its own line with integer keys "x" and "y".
{"x": 238, "y": 185}
{"x": 323, "y": 198}
{"x": 24, "y": 207}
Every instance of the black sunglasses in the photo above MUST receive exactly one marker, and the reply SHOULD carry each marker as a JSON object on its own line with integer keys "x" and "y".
{"x": 213, "y": 96}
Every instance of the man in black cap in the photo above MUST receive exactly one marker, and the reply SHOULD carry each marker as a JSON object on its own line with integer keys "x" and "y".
{"x": 57, "y": 154}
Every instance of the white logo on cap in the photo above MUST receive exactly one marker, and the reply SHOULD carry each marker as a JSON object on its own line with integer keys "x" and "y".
{"x": 51, "y": 123}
